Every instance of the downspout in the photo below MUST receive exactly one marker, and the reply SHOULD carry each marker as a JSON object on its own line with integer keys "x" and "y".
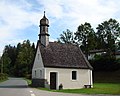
{"x": 90, "y": 79}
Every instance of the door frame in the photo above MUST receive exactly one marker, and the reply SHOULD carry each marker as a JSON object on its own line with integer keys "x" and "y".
{"x": 56, "y": 85}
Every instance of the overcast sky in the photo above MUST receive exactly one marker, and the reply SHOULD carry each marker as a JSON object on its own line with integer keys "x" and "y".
{"x": 19, "y": 19}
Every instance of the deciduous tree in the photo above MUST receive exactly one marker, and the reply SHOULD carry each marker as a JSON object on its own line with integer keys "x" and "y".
{"x": 85, "y": 37}
{"x": 108, "y": 32}
{"x": 66, "y": 37}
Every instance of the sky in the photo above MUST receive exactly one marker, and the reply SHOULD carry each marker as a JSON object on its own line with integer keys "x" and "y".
{"x": 19, "y": 19}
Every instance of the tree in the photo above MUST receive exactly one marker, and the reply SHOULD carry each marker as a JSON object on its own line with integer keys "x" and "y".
{"x": 24, "y": 58}
{"x": 5, "y": 62}
{"x": 105, "y": 63}
{"x": 33, "y": 47}
{"x": 66, "y": 37}
{"x": 8, "y": 59}
{"x": 17, "y": 61}
{"x": 85, "y": 37}
{"x": 1, "y": 65}
{"x": 108, "y": 32}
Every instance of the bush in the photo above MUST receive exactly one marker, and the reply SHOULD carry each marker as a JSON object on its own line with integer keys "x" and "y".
{"x": 28, "y": 76}
{"x": 3, "y": 76}
{"x": 105, "y": 63}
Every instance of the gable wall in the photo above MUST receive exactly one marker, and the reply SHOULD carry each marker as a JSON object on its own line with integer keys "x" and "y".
{"x": 64, "y": 77}
{"x": 38, "y": 68}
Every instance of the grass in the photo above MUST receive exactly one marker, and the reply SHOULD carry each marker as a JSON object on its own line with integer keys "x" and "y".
{"x": 28, "y": 81}
{"x": 3, "y": 80}
{"x": 99, "y": 88}
{"x": 3, "y": 77}
{"x": 45, "y": 89}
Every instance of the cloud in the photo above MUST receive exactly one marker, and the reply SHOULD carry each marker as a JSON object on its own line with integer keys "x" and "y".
{"x": 18, "y": 17}
{"x": 69, "y": 14}
{"x": 75, "y": 12}
{"x": 53, "y": 7}
{"x": 13, "y": 19}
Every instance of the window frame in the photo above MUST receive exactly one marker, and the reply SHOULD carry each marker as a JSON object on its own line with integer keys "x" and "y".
{"x": 74, "y": 75}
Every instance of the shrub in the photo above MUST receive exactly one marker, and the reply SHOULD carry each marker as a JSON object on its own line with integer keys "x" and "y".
{"x": 105, "y": 63}
{"x": 28, "y": 76}
{"x": 3, "y": 76}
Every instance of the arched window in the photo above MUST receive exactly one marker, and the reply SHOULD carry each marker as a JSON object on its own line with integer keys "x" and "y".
{"x": 40, "y": 73}
{"x": 38, "y": 56}
{"x": 35, "y": 73}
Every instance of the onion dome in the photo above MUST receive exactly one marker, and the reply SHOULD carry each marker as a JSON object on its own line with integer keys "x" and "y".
{"x": 44, "y": 20}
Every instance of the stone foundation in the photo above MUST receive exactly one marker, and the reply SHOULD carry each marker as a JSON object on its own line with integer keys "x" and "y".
{"x": 38, "y": 82}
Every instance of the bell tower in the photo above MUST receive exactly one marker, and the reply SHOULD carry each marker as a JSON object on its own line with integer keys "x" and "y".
{"x": 44, "y": 36}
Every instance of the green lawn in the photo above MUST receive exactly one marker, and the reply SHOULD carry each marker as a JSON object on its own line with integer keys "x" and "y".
{"x": 99, "y": 88}
{"x": 3, "y": 80}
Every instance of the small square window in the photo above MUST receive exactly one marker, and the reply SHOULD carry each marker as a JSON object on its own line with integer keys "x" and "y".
{"x": 74, "y": 75}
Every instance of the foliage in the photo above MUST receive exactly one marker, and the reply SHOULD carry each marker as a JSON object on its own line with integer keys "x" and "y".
{"x": 3, "y": 76}
{"x": 66, "y": 37}
{"x": 107, "y": 37}
{"x": 85, "y": 37}
{"x": 17, "y": 61}
{"x": 24, "y": 59}
{"x": 108, "y": 33}
{"x": 29, "y": 81}
{"x": 105, "y": 63}
{"x": 6, "y": 59}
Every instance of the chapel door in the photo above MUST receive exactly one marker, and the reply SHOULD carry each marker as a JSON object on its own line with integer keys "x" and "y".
{"x": 53, "y": 80}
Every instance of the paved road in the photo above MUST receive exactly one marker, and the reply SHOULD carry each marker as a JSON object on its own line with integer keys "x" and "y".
{"x": 14, "y": 87}
{"x": 19, "y": 87}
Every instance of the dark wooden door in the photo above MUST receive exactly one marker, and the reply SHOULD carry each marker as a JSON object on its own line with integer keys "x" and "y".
{"x": 53, "y": 80}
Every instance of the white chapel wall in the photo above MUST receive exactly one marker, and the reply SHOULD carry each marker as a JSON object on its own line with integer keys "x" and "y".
{"x": 64, "y": 77}
{"x": 38, "y": 68}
